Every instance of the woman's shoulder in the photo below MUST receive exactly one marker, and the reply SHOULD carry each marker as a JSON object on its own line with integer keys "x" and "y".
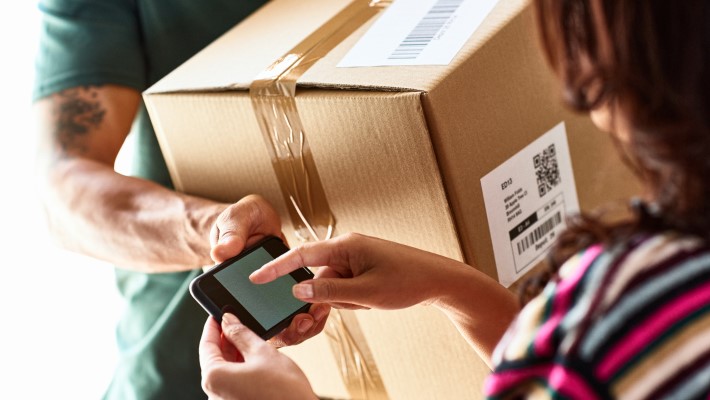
{"x": 648, "y": 306}
{"x": 612, "y": 290}
{"x": 640, "y": 304}
{"x": 644, "y": 264}
{"x": 630, "y": 317}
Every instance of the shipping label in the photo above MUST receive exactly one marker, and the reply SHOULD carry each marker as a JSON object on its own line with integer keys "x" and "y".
{"x": 418, "y": 32}
{"x": 527, "y": 199}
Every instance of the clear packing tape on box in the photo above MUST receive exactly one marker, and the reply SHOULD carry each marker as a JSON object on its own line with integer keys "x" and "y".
{"x": 273, "y": 98}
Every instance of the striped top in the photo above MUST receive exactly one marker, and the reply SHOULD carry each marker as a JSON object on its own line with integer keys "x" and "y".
{"x": 628, "y": 322}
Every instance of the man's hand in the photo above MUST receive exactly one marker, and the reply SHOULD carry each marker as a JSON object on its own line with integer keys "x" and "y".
{"x": 243, "y": 224}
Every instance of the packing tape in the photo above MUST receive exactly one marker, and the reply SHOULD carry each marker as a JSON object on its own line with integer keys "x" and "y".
{"x": 273, "y": 94}
{"x": 357, "y": 366}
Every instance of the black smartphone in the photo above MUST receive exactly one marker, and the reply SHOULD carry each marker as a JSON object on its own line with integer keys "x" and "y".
{"x": 267, "y": 308}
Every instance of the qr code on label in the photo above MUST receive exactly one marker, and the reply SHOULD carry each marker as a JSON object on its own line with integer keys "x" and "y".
{"x": 546, "y": 170}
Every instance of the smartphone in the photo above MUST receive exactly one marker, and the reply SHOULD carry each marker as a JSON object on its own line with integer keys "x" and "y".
{"x": 267, "y": 308}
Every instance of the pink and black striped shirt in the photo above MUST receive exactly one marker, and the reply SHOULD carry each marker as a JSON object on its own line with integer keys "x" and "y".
{"x": 628, "y": 322}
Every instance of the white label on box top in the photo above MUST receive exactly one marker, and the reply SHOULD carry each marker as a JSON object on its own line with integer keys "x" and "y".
{"x": 418, "y": 32}
{"x": 527, "y": 198}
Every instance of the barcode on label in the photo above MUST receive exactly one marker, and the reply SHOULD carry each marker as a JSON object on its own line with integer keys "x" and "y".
{"x": 539, "y": 232}
{"x": 426, "y": 30}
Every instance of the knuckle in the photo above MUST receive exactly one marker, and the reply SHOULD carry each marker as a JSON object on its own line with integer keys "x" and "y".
{"x": 351, "y": 237}
{"x": 245, "y": 207}
{"x": 326, "y": 290}
{"x": 299, "y": 254}
{"x": 349, "y": 246}
{"x": 352, "y": 242}
{"x": 288, "y": 338}
{"x": 214, "y": 234}
{"x": 235, "y": 330}
{"x": 253, "y": 202}
{"x": 253, "y": 198}
{"x": 256, "y": 209}
{"x": 225, "y": 217}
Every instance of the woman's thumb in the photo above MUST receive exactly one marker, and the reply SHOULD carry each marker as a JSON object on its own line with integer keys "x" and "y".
{"x": 327, "y": 290}
{"x": 239, "y": 335}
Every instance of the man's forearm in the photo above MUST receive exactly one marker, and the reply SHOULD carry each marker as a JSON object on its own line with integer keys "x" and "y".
{"x": 93, "y": 210}
{"x": 127, "y": 221}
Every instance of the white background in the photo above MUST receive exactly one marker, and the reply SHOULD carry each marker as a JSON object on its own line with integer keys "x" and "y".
{"x": 58, "y": 309}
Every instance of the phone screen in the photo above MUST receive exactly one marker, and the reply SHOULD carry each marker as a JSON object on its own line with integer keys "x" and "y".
{"x": 268, "y": 303}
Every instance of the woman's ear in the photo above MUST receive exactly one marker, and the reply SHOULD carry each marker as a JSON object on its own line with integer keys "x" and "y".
{"x": 611, "y": 121}
{"x": 601, "y": 116}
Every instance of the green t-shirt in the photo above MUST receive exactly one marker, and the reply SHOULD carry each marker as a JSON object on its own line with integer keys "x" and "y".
{"x": 134, "y": 43}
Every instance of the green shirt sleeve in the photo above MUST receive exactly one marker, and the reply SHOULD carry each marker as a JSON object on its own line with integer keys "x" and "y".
{"x": 88, "y": 42}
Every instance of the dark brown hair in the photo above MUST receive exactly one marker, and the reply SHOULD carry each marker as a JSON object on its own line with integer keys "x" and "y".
{"x": 648, "y": 61}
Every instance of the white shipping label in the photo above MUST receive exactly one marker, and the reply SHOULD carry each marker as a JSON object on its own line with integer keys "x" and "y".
{"x": 527, "y": 199}
{"x": 418, "y": 32}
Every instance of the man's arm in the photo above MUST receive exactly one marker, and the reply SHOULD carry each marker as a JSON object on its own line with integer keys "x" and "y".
{"x": 93, "y": 210}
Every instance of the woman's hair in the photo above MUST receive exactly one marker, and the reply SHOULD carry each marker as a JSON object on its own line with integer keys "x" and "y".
{"x": 648, "y": 62}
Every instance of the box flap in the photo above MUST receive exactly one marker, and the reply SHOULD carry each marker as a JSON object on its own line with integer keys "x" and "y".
{"x": 281, "y": 24}
{"x": 233, "y": 60}
{"x": 421, "y": 78}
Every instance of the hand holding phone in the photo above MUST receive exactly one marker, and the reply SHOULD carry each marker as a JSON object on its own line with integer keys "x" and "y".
{"x": 265, "y": 308}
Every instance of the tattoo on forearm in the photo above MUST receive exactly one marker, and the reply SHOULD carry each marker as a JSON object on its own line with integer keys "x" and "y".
{"x": 76, "y": 113}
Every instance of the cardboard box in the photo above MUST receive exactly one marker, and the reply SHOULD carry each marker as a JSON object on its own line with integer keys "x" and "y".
{"x": 400, "y": 152}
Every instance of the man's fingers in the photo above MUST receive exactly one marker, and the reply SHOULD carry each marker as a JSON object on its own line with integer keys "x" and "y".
{"x": 246, "y": 341}
{"x": 209, "y": 349}
{"x": 230, "y": 241}
{"x": 241, "y": 225}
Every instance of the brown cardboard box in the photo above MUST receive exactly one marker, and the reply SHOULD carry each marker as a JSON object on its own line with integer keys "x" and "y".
{"x": 400, "y": 152}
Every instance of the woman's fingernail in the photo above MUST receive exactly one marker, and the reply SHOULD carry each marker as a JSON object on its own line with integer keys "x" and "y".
{"x": 305, "y": 325}
{"x": 303, "y": 291}
{"x": 229, "y": 319}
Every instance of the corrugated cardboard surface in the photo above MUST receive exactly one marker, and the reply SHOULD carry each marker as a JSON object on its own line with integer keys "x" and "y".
{"x": 501, "y": 99}
{"x": 403, "y": 164}
{"x": 377, "y": 165}
{"x": 372, "y": 149}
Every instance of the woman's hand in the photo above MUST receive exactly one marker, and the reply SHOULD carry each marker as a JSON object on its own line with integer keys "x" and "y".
{"x": 382, "y": 274}
{"x": 364, "y": 272}
{"x": 240, "y": 365}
